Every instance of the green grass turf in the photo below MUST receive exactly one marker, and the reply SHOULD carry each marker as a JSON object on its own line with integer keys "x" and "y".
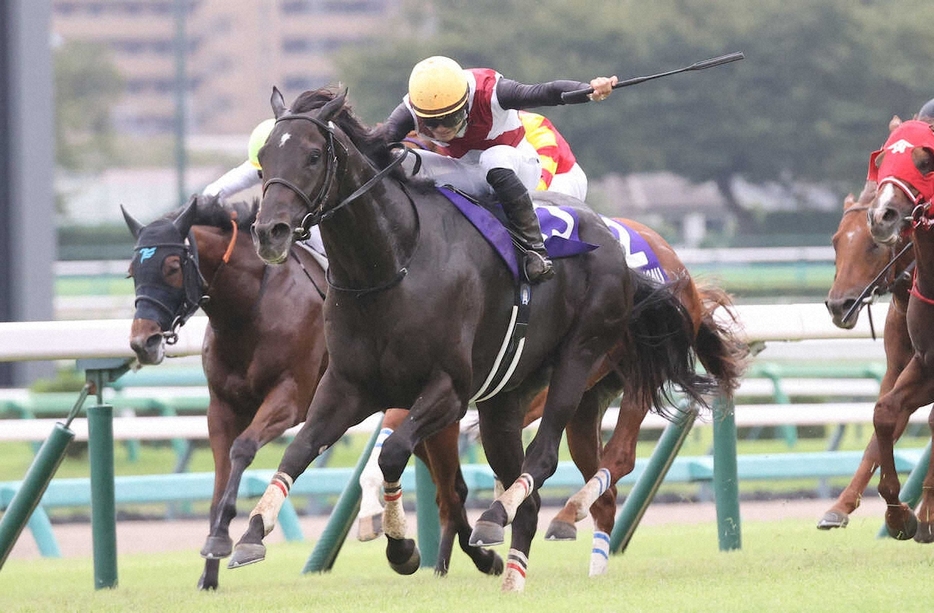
{"x": 783, "y": 566}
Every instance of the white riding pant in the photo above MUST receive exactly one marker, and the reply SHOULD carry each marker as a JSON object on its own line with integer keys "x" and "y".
{"x": 468, "y": 173}
{"x": 572, "y": 183}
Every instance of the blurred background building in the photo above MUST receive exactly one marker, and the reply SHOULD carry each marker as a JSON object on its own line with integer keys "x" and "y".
{"x": 231, "y": 53}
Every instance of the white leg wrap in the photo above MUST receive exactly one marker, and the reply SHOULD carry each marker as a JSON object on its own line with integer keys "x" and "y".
{"x": 517, "y": 565}
{"x": 517, "y": 492}
{"x": 371, "y": 479}
{"x": 393, "y": 514}
{"x": 600, "y": 554}
{"x": 272, "y": 500}
{"x": 592, "y": 490}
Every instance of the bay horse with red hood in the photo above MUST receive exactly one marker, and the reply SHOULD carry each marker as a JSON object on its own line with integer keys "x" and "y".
{"x": 904, "y": 172}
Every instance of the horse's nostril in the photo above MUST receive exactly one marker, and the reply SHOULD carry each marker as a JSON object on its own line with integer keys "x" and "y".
{"x": 890, "y": 216}
{"x": 280, "y": 231}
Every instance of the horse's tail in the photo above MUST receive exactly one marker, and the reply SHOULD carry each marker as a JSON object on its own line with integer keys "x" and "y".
{"x": 660, "y": 352}
{"x": 719, "y": 348}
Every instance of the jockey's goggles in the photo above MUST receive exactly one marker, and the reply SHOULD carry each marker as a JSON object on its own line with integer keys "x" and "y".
{"x": 450, "y": 121}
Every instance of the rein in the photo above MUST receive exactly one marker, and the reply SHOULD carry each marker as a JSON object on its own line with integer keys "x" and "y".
{"x": 315, "y": 215}
{"x": 402, "y": 271}
{"x": 920, "y": 220}
{"x": 196, "y": 289}
{"x": 874, "y": 288}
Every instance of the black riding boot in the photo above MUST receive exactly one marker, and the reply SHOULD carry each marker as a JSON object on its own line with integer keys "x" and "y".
{"x": 517, "y": 203}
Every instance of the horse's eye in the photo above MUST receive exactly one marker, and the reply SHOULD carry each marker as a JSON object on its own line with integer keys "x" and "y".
{"x": 172, "y": 270}
{"x": 313, "y": 157}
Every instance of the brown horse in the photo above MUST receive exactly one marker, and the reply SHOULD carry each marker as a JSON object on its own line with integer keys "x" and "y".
{"x": 263, "y": 353}
{"x": 261, "y": 373}
{"x": 417, "y": 304}
{"x": 904, "y": 170}
{"x": 863, "y": 267}
{"x": 722, "y": 353}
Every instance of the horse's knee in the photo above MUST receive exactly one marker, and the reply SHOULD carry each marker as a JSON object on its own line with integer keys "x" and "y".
{"x": 243, "y": 450}
{"x": 392, "y": 459}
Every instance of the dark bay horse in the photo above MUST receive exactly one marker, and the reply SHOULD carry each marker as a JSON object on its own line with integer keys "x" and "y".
{"x": 720, "y": 351}
{"x": 261, "y": 372}
{"x": 263, "y": 353}
{"x": 415, "y": 316}
{"x": 904, "y": 171}
{"x": 863, "y": 267}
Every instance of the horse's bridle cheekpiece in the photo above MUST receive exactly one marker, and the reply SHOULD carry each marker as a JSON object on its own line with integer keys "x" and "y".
{"x": 315, "y": 213}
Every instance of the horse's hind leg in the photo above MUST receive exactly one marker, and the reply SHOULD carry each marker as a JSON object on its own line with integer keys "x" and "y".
{"x": 370, "y": 517}
{"x": 440, "y": 453}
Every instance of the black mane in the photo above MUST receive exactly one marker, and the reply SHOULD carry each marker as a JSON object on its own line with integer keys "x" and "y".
{"x": 209, "y": 211}
{"x": 370, "y": 142}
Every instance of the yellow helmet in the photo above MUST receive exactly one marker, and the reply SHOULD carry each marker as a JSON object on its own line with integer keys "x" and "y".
{"x": 258, "y": 139}
{"x": 437, "y": 86}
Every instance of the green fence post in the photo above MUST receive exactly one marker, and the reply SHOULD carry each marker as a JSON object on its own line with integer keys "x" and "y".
{"x": 342, "y": 517}
{"x": 103, "y": 506}
{"x": 642, "y": 493}
{"x": 426, "y": 511}
{"x": 725, "y": 475}
{"x": 37, "y": 479}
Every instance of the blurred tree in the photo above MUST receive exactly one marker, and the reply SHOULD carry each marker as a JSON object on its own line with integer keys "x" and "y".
{"x": 87, "y": 85}
{"x": 820, "y": 81}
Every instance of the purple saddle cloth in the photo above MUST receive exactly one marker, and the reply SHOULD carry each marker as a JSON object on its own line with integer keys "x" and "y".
{"x": 560, "y": 232}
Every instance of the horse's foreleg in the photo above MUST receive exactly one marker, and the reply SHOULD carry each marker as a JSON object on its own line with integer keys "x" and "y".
{"x": 898, "y": 352}
{"x": 899, "y": 518}
{"x": 334, "y": 409}
{"x": 437, "y": 407}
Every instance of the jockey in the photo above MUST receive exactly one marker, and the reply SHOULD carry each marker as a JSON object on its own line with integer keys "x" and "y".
{"x": 560, "y": 170}
{"x": 473, "y": 116}
{"x": 249, "y": 173}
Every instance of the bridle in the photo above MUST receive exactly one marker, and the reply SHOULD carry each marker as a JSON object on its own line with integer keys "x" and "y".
{"x": 193, "y": 289}
{"x": 315, "y": 206}
{"x": 196, "y": 291}
{"x": 879, "y": 285}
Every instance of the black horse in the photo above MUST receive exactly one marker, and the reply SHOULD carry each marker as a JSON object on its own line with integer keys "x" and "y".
{"x": 416, "y": 315}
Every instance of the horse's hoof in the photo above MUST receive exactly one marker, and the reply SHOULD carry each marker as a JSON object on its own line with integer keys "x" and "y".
{"x": 208, "y": 580}
{"x": 498, "y": 566}
{"x": 217, "y": 547}
{"x": 403, "y": 556}
{"x": 833, "y": 519}
{"x": 561, "y": 531}
{"x": 370, "y": 528}
{"x": 486, "y": 534}
{"x": 247, "y": 553}
{"x": 903, "y": 531}
{"x": 925, "y": 533}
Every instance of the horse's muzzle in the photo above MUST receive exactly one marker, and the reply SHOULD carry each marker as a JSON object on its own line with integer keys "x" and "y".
{"x": 272, "y": 241}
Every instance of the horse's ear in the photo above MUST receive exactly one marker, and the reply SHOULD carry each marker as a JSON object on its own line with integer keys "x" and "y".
{"x": 186, "y": 219}
{"x": 894, "y": 122}
{"x": 134, "y": 226}
{"x": 923, "y": 158}
{"x": 330, "y": 110}
{"x": 277, "y": 102}
{"x": 849, "y": 201}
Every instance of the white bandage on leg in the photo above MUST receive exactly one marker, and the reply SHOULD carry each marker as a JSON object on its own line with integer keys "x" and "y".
{"x": 269, "y": 505}
{"x": 517, "y": 492}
